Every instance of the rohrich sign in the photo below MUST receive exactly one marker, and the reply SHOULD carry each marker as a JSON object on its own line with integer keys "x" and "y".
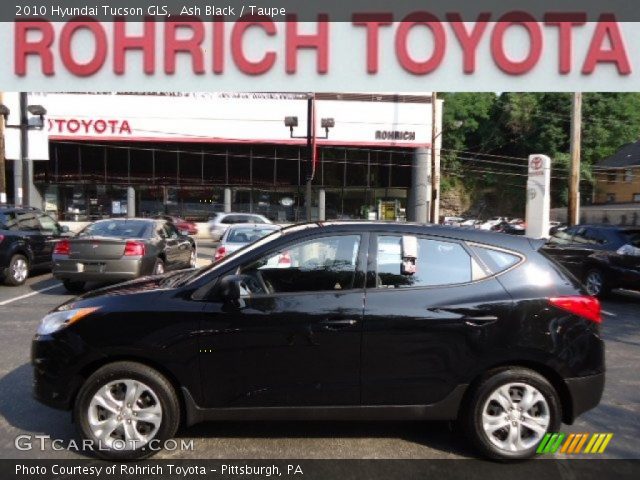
{"x": 371, "y": 52}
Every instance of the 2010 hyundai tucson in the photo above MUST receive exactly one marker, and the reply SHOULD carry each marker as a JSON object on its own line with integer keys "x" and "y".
{"x": 366, "y": 321}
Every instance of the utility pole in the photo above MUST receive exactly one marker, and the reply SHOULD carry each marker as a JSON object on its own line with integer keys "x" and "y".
{"x": 435, "y": 164}
{"x": 573, "y": 216}
{"x": 3, "y": 181}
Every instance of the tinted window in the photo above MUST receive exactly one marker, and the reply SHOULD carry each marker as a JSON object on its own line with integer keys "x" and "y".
{"x": 8, "y": 221}
{"x": 47, "y": 223}
{"x": 562, "y": 237}
{"x": 595, "y": 236}
{"x": 320, "y": 264}
{"x": 28, "y": 221}
{"x": 438, "y": 263}
{"x": 116, "y": 228}
{"x": 229, "y": 219}
{"x": 496, "y": 260}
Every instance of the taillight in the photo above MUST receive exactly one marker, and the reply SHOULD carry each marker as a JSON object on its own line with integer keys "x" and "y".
{"x": 285, "y": 259}
{"x": 583, "y": 306}
{"x": 63, "y": 247}
{"x": 220, "y": 253}
{"x": 132, "y": 248}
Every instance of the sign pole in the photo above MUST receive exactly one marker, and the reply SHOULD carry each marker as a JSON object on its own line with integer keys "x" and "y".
{"x": 3, "y": 182}
{"x": 538, "y": 196}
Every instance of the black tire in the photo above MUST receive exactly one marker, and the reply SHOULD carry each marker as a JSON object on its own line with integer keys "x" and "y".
{"x": 73, "y": 286}
{"x": 158, "y": 267}
{"x": 472, "y": 410}
{"x": 15, "y": 275}
{"x": 600, "y": 279}
{"x": 161, "y": 387}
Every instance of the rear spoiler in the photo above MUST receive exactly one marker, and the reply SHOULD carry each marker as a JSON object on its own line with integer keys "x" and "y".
{"x": 537, "y": 243}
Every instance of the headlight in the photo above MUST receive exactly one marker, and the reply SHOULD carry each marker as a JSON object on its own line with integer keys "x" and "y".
{"x": 57, "y": 320}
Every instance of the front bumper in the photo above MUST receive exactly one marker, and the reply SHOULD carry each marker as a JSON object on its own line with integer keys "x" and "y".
{"x": 55, "y": 376}
{"x": 586, "y": 393}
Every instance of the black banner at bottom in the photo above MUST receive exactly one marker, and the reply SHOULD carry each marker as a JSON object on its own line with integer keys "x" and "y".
{"x": 541, "y": 468}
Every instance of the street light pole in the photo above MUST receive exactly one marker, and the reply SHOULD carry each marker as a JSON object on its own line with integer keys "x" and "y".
{"x": 310, "y": 155}
{"x": 24, "y": 150}
{"x": 3, "y": 182}
{"x": 435, "y": 164}
{"x": 574, "y": 177}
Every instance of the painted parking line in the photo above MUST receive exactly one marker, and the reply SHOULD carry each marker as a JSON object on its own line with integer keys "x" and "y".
{"x": 608, "y": 314}
{"x": 21, "y": 297}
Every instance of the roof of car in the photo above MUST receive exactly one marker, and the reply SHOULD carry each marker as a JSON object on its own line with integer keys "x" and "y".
{"x": 255, "y": 225}
{"x": 512, "y": 242}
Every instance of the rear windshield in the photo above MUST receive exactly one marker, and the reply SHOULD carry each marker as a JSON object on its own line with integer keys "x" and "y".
{"x": 632, "y": 237}
{"x": 247, "y": 235}
{"x": 116, "y": 228}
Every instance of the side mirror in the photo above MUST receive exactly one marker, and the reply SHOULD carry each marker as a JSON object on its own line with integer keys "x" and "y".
{"x": 230, "y": 288}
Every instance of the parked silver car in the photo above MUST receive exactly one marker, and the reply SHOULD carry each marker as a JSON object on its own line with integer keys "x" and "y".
{"x": 121, "y": 249}
{"x": 221, "y": 221}
{"x": 237, "y": 236}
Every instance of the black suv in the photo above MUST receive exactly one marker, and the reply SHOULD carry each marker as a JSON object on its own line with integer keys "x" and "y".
{"x": 604, "y": 257}
{"x": 332, "y": 321}
{"x": 27, "y": 238}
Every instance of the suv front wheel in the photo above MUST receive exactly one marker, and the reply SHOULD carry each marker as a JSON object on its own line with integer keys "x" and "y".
{"x": 126, "y": 410}
{"x": 510, "y": 411}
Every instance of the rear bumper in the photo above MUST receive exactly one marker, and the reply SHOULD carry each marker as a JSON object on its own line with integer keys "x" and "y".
{"x": 585, "y": 392}
{"x": 97, "y": 270}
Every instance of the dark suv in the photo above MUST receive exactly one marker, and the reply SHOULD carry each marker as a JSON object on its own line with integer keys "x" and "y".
{"x": 604, "y": 257}
{"x": 27, "y": 238}
{"x": 332, "y": 321}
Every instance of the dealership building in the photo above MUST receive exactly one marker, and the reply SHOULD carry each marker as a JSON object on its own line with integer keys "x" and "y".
{"x": 190, "y": 155}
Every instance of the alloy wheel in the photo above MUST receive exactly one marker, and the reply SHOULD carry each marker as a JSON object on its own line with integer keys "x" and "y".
{"x": 124, "y": 414}
{"x": 515, "y": 417}
{"x": 593, "y": 283}
{"x": 19, "y": 270}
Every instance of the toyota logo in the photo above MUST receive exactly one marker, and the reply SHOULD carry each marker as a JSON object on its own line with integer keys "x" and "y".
{"x": 536, "y": 163}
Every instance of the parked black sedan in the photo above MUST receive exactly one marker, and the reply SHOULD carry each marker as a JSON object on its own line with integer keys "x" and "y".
{"x": 27, "y": 237}
{"x": 604, "y": 257}
{"x": 121, "y": 249}
{"x": 365, "y": 321}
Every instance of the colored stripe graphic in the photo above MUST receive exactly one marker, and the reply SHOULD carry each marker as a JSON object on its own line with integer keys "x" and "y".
{"x": 550, "y": 443}
{"x": 573, "y": 443}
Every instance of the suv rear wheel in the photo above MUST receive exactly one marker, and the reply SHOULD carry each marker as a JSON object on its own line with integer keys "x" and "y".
{"x": 510, "y": 411}
{"x": 123, "y": 407}
{"x": 18, "y": 270}
{"x": 596, "y": 283}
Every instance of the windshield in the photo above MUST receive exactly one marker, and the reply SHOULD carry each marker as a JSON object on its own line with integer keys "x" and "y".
{"x": 632, "y": 237}
{"x": 116, "y": 228}
{"x": 248, "y": 234}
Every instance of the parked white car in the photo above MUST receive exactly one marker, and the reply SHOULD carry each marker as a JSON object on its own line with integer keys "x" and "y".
{"x": 241, "y": 235}
{"x": 218, "y": 224}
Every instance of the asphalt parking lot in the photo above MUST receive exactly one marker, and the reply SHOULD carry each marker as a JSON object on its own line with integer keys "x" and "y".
{"x": 21, "y": 308}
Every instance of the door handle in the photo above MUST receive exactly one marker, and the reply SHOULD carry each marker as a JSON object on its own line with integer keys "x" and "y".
{"x": 337, "y": 324}
{"x": 480, "y": 320}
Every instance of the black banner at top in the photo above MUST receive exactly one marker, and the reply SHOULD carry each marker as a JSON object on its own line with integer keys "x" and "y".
{"x": 331, "y": 10}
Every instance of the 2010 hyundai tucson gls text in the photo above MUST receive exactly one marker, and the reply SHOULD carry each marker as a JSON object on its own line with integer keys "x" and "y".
{"x": 363, "y": 321}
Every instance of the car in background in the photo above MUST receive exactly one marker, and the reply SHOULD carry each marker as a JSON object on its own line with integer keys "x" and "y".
{"x": 241, "y": 235}
{"x": 183, "y": 226}
{"x": 221, "y": 221}
{"x": 604, "y": 257}
{"x": 453, "y": 221}
{"x": 370, "y": 321}
{"x": 121, "y": 249}
{"x": 27, "y": 237}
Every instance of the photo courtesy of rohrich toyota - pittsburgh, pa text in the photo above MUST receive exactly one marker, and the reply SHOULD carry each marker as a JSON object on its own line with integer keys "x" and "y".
{"x": 321, "y": 240}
